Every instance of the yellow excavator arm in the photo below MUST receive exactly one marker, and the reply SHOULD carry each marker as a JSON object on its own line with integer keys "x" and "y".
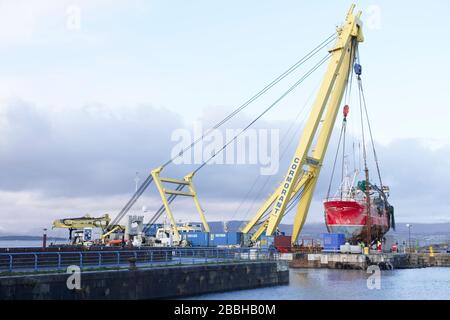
{"x": 83, "y": 222}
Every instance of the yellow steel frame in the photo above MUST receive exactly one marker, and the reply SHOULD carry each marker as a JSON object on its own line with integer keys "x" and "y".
{"x": 113, "y": 229}
{"x": 306, "y": 164}
{"x": 83, "y": 222}
{"x": 187, "y": 181}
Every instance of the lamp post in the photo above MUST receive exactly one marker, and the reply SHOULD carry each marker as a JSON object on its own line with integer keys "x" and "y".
{"x": 409, "y": 226}
{"x": 44, "y": 239}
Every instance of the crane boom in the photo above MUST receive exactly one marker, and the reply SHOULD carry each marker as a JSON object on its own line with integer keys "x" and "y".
{"x": 305, "y": 166}
{"x": 83, "y": 222}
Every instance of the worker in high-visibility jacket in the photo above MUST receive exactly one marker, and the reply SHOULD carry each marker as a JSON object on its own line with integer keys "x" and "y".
{"x": 362, "y": 245}
{"x": 379, "y": 246}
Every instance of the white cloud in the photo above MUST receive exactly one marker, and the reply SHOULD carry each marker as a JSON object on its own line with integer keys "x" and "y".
{"x": 58, "y": 162}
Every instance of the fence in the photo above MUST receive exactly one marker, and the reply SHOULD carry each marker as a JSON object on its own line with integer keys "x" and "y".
{"x": 48, "y": 261}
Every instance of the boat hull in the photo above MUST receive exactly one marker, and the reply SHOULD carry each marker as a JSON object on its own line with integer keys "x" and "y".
{"x": 350, "y": 218}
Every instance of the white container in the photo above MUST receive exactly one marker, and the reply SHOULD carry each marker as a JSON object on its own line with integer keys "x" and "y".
{"x": 286, "y": 256}
{"x": 253, "y": 254}
{"x": 346, "y": 248}
{"x": 355, "y": 249}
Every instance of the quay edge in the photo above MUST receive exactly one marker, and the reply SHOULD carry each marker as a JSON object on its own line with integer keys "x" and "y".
{"x": 154, "y": 283}
{"x": 385, "y": 261}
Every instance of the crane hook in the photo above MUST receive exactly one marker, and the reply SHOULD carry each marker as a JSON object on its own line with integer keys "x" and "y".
{"x": 345, "y": 111}
{"x": 358, "y": 69}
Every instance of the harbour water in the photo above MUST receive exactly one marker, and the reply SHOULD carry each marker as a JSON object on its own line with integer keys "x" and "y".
{"x": 328, "y": 284}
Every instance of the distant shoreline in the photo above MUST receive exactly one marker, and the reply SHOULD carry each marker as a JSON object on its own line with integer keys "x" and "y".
{"x": 28, "y": 238}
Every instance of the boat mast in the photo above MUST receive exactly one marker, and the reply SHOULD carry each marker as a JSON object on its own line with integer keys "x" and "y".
{"x": 369, "y": 220}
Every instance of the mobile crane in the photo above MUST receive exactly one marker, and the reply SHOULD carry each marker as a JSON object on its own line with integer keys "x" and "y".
{"x": 80, "y": 223}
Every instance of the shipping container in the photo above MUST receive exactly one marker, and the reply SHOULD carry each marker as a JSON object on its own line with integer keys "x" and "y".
{"x": 332, "y": 241}
{"x": 196, "y": 239}
{"x": 282, "y": 243}
{"x": 225, "y": 239}
{"x": 234, "y": 238}
{"x": 266, "y": 241}
{"x": 217, "y": 239}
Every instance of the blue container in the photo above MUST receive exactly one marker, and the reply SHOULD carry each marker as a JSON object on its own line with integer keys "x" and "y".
{"x": 234, "y": 238}
{"x": 225, "y": 239}
{"x": 332, "y": 241}
{"x": 266, "y": 241}
{"x": 196, "y": 239}
{"x": 151, "y": 230}
{"x": 218, "y": 239}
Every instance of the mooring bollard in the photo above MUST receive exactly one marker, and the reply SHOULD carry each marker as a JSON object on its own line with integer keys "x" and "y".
{"x": 132, "y": 262}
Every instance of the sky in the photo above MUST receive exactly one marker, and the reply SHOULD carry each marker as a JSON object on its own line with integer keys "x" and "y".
{"x": 91, "y": 92}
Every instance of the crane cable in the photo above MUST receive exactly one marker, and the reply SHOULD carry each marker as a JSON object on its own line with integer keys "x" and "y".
{"x": 342, "y": 135}
{"x": 360, "y": 86}
{"x": 295, "y": 85}
{"x": 291, "y": 205}
{"x": 161, "y": 210}
{"x": 335, "y": 160}
{"x": 294, "y": 67}
{"x": 363, "y": 103}
{"x": 283, "y": 153}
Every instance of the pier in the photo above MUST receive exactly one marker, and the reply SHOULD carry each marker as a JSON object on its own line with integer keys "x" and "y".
{"x": 185, "y": 272}
{"x": 386, "y": 261}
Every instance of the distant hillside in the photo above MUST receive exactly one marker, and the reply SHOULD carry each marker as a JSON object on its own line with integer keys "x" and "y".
{"x": 424, "y": 228}
{"x": 439, "y": 232}
{"x": 310, "y": 230}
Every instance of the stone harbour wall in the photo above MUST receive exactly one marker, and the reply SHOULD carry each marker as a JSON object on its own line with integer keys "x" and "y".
{"x": 152, "y": 283}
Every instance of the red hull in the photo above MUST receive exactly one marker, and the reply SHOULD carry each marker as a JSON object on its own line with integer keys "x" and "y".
{"x": 350, "y": 218}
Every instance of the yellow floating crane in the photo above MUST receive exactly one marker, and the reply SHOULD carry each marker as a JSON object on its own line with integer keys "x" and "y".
{"x": 305, "y": 166}
{"x": 301, "y": 178}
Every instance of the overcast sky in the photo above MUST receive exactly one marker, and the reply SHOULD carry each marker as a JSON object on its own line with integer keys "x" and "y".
{"x": 83, "y": 107}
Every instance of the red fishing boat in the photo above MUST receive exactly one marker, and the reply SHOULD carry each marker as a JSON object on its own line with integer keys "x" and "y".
{"x": 361, "y": 212}
{"x": 349, "y": 214}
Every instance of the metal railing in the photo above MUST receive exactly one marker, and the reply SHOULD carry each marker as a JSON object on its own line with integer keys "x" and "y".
{"x": 50, "y": 261}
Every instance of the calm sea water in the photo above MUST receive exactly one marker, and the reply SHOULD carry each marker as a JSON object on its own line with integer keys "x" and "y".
{"x": 327, "y": 284}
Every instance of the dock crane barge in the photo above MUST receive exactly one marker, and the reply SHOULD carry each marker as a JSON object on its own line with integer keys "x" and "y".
{"x": 305, "y": 166}
{"x": 301, "y": 178}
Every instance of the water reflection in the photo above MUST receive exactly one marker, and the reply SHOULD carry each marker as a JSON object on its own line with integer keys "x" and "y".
{"x": 326, "y": 284}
